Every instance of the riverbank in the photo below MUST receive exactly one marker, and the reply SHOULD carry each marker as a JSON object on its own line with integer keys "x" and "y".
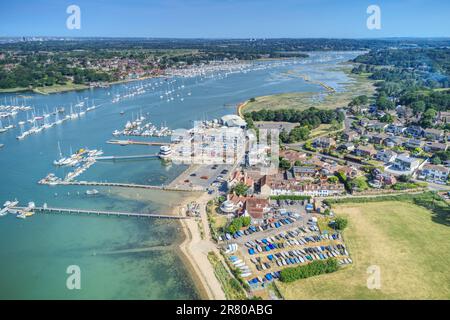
{"x": 67, "y": 87}
{"x": 330, "y": 99}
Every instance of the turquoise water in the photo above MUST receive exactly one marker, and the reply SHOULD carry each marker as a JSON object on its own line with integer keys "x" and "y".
{"x": 120, "y": 258}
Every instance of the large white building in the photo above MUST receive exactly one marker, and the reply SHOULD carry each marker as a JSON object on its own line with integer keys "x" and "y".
{"x": 232, "y": 120}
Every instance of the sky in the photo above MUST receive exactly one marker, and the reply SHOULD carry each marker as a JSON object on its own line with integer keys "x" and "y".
{"x": 226, "y": 18}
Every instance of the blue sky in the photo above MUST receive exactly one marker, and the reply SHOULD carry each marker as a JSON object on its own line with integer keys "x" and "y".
{"x": 226, "y": 18}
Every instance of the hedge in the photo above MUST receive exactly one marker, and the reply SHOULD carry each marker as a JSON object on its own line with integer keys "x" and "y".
{"x": 311, "y": 269}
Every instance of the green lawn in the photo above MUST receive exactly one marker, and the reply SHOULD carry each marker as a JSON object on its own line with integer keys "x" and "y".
{"x": 411, "y": 247}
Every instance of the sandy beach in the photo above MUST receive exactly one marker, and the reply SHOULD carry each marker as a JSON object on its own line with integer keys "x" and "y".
{"x": 194, "y": 251}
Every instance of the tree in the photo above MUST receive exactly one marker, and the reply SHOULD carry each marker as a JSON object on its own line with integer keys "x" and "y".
{"x": 417, "y": 151}
{"x": 359, "y": 101}
{"x": 436, "y": 160}
{"x": 240, "y": 189}
{"x": 387, "y": 118}
{"x": 333, "y": 179}
{"x": 404, "y": 178}
{"x": 384, "y": 103}
{"x": 340, "y": 223}
{"x": 284, "y": 164}
{"x": 298, "y": 134}
{"x": 360, "y": 183}
{"x": 428, "y": 118}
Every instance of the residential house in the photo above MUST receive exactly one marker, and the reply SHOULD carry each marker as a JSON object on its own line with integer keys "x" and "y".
{"x": 435, "y": 147}
{"x": 434, "y": 173}
{"x": 347, "y": 146}
{"x": 365, "y": 151}
{"x": 387, "y": 156}
{"x": 283, "y": 187}
{"x": 405, "y": 163}
{"x": 324, "y": 143}
{"x": 378, "y": 138}
{"x": 323, "y": 189}
{"x": 395, "y": 128}
{"x": 391, "y": 142}
{"x": 257, "y": 209}
{"x": 302, "y": 172}
{"x": 444, "y": 117}
{"x": 415, "y": 131}
{"x": 241, "y": 177}
{"x": 381, "y": 179}
{"x": 349, "y": 171}
{"x": 292, "y": 156}
{"x": 376, "y": 125}
{"x": 350, "y": 136}
{"x": 233, "y": 204}
{"x": 433, "y": 134}
{"x": 414, "y": 143}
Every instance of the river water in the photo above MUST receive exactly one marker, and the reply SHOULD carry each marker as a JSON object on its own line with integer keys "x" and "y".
{"x": 119, "y": 258}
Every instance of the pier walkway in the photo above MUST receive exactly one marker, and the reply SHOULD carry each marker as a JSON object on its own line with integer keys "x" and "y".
{"x": 138, "y": 156}
{"x": 120, "y": 184}
{"x": 100, "y": 212}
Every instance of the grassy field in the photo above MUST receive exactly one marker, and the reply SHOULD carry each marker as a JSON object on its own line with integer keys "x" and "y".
{"x": 403, "y": 239}
{"x": 359, "y": 85}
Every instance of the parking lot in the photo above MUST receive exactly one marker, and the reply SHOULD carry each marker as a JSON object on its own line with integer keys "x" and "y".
{"x": 261, "y": 256}
{"x": 204, "y": 175}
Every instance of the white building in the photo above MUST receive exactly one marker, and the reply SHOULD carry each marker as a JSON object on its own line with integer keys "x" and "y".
{"x": 434, "y": 173}
{"x": 232, "y": 120}
{"x": 405, "y": 163}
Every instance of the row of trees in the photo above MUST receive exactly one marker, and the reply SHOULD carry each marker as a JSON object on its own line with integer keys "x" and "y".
{"x": 311, "y": 117}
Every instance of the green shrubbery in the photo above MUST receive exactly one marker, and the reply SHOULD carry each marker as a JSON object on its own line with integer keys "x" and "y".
{"x": 340, "y": 223}
{"x": 311, "y": 269}
{"x": 240, "y": 189}
{"x": 238, "y": 223}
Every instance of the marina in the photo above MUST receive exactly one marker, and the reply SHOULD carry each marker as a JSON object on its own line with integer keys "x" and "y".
{"x": 142, "y": 128}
